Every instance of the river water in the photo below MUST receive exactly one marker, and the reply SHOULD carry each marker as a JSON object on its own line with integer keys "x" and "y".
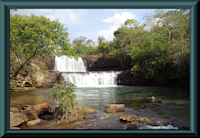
{"x": 134, "y": 98}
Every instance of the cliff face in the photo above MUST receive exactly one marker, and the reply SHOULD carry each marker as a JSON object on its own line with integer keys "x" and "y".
{"x": 102, "y": 62}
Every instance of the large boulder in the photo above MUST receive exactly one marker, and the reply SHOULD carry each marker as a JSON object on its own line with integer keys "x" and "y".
{"x": 114, "y": 108}
{"x": 33, "y": 122}
{"x": 42, "y": 109}
{"x": 30, "y": 112}
{"x": 17, "y": 119}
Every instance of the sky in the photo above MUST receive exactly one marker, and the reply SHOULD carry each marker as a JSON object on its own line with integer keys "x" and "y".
{"x": 90, "y": 23}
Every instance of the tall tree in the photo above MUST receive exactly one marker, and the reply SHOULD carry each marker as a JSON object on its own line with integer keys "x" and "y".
{"x": 34, "y": 35}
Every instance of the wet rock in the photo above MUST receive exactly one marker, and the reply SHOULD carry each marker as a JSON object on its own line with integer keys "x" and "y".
{"x": 151, "y": 123}
{"x": 33, "y": 122}
{"x": 134, "y": 126}
{"x": 114, "y": 108}
{"x": 158, "y": 101}
{"x": 17, "y": 119}
{"x": 164, "y": 122}
{"x": 30, "y": 112}
{"x": 128, "y": 118}
{"x": 150, "y": 105}
{"x": 180, "y": 124}
{"x": 14, "y": 110}
{"x": 142, "y": 119}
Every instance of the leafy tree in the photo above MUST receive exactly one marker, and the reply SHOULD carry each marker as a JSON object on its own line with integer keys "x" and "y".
{"x": 32, "y": 36}
{"x": 84, "y": 46}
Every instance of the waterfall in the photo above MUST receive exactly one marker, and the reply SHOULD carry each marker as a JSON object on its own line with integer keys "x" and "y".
{"x": 64, "y": 63}
{"x": 74, "y": 71}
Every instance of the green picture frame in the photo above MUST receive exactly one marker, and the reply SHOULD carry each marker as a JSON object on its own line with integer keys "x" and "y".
{"x": 6, "y": 5}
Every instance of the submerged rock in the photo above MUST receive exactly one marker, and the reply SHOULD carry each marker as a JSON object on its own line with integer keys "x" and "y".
{"x": 150, "y": 105}
{"x": 180, "y": 124}
{"x": 114, "y": 108}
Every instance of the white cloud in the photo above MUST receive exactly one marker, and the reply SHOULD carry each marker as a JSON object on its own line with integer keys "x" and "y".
{"x": 108, "y": 34}
{"x": 117, "y": 20}
{"x": 64, "y": 16}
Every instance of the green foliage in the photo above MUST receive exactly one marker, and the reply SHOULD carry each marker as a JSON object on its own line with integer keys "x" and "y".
{"x": 64, "y": 93}
{"x": 34, "y": 35}
{"x": 83, "y": 46}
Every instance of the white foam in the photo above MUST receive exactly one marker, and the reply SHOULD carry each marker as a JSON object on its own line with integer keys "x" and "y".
{"x": 158, "y": 127}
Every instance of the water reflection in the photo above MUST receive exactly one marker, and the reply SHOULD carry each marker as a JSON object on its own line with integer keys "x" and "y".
{"x": 134, "y": 97}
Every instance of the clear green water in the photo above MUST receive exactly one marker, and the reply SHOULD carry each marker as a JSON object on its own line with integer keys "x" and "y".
{"x": 134, "y": 98}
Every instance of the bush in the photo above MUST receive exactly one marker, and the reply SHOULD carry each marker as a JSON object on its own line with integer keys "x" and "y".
{"x": 64, "y": 93}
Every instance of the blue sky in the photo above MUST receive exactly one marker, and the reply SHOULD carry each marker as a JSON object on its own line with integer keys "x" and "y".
{"x": 90, "y": 23}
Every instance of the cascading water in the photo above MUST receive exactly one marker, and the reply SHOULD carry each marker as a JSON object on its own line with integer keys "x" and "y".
{"x": 74, "y": 71}
{"x": 67, "y": 64}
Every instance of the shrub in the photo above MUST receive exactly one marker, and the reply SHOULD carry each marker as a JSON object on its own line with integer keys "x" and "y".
{"x": 64, "y": 93}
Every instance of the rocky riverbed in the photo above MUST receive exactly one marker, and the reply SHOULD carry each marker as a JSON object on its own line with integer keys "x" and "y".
{"x": 113, "y": 116}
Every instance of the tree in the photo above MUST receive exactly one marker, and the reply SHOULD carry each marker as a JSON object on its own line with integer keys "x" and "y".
{"x": 84, "y": 46}
{"x": 34, "y": 35}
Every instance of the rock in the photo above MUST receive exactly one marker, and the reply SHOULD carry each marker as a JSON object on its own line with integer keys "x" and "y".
{"x": 151, "y": 123}
{"x": 128, "y": 118}
{"x": 14, "y": 128}
{"x": 134, "y": 126}
{"x": 164, "y": 122}
{"x": 101, "y": 62}
{"x": 14, "y": 110}
{"x": 30, "y": 112}
{"x": 159, "y": 101}
{"x": 90, "y": 111}
{"x": 43, "y": 109}
{"x": 152, "y": 98}
{"x": 180, "y": 124}
{"x": 114, "y": 108}
{"x": 33, "y": 122}
{"x": 150, "y": 105}
{"x": 142, "y": 119}
{"x": 17, "y": 119}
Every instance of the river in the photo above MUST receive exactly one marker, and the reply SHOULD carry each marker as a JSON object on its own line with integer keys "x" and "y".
{"x": 134, "y": 98}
